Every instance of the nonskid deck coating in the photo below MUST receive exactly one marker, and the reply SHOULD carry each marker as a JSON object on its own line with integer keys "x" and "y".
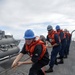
{"x": 68, "y": 68}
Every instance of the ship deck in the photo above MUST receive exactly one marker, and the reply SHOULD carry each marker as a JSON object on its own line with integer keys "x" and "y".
{"x": 68, "y": 68}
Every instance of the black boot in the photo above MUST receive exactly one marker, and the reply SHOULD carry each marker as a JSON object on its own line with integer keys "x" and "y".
{"x": 49, "y": 70}
{"x": 56, "y": 63}
{"x": 61, "y": 61}
{"x": 65, "y": 56}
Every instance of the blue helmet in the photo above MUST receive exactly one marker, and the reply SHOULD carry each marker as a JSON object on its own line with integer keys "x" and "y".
{"x": 57, "y": 27}
{"x": 49, "y": 27}
{"x": 29, "y": 34}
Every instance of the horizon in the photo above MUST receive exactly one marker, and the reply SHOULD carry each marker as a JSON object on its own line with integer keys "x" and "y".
{"x": 16, "y": 16}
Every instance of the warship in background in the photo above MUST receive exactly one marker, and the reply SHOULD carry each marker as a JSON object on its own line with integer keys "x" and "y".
{"x": 8, "y": 46}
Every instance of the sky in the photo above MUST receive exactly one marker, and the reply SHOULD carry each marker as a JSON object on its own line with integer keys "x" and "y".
{"x": 16, "y": 16}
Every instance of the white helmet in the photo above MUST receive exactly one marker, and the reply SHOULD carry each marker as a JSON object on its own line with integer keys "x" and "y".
{"x": 65, "y": 30}
{"x": 49, "y": 27}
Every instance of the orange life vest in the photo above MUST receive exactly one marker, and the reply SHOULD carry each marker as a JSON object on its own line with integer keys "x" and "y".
{"x": 30, "y": 48}
{"x": 65, "y": 34}
{"x": 58, "y": 32}
{"x": 69, "y": 35}
{"x": 51, "y": 37}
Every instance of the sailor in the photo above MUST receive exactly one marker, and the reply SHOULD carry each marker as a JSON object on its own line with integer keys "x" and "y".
{"x": 63, "y": 43}
{"x": 54, "y": 39}
{"x": 43, "y": 38}
{"x": 36, "y": 50}
{"x": 68, "y": 41}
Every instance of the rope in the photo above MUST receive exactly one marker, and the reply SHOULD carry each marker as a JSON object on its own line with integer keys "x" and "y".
{"x": 6, "y": 70}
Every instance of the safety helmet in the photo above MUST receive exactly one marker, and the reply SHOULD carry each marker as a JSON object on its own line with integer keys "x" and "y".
{"x": 49, "y": 27}
{"x": 57, "y": 27}
{"x": 29, "y": 34}
{"x": 65, "y": 30}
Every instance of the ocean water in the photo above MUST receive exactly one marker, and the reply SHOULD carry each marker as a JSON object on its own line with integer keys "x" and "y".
{"x": 21, "y": 44}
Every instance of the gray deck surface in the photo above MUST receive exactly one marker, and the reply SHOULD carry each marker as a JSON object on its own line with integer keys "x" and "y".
{"x": 68, "y": 68}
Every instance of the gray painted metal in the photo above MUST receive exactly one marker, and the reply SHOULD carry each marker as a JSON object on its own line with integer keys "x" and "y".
{"x": 10, "y": 51}
{"x": 8, "y": 45}
{"x": 6, "y": 41}
{"x": 72, "y": 31}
